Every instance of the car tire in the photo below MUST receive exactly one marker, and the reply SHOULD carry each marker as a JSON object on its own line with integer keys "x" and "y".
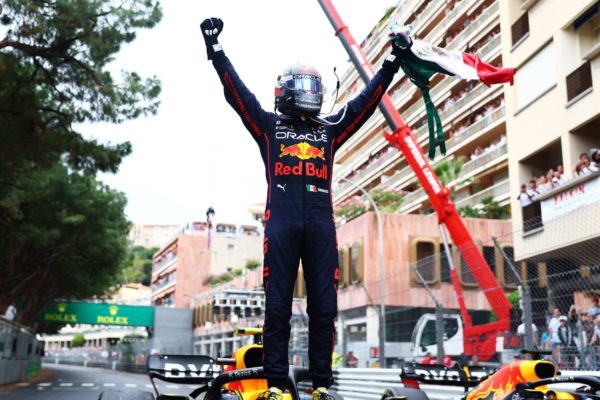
{"x": 126, "y": 395}
{"x": 408, "y": 393}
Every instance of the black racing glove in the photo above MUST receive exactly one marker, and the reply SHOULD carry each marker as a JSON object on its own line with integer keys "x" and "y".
{"x": 401, "y": 44}
{"x": 211, "y": 29}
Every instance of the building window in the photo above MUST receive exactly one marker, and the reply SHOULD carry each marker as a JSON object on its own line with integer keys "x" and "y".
{"x": 579, "y": 81}
{"x": 588, "y": 31}
{"x": 536, "y": 77}
{"x": 357, "y": 333}
{"x": 356, "y": 262}
{"x": 426, "y": 262}
{"x": 509, "y": 276}
{"x": 230, "y": 247}
{"x": 520, "y": 29}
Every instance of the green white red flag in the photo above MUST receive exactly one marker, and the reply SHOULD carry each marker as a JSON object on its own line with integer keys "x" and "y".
{"x": 421, "y": 60}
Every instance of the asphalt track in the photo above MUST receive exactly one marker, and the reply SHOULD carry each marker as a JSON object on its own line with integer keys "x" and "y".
{"x": 63, "y": 382}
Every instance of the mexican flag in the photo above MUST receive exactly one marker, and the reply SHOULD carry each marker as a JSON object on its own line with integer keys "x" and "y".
{"x": 421, "y": 60}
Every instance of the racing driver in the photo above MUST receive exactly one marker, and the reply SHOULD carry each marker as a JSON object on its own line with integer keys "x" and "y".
{"x": 297, "y": 147}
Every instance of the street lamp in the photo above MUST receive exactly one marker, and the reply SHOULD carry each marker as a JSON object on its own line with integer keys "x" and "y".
{"x": 381, "y": 274}
{"x": 210, "y": 213}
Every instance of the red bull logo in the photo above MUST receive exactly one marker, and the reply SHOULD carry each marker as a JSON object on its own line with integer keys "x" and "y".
{"x": 303, "y": 151}
{"x": 302, "y": 168}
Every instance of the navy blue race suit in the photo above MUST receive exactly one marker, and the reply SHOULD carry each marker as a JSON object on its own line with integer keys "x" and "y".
{"x": 298, "y": 156}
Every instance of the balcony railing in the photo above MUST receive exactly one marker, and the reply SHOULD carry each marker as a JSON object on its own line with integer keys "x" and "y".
{"x": 483, "y": 160}
{"x": 499, "y": 189}
{"x": 424, "y": 18}
{"x": 368, "y": 170}
{"x": 490, "y": 46}
{"x": 476, "y": 92}
{"x": 448, "y": 20}
{"x": 165, "y": 263}
{"x": 164, "y": 285}
{"x": 475, "y": 128}
{"x": 475, "y": 26}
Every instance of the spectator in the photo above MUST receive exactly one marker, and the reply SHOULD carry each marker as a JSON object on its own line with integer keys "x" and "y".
{"x": 594, "y": 310}
{"x": 543, "y": 185}
{"x": 595, "y": 156}
{"x": 11, "y": 312}
{"x": 351, "y": 359}
{"x": 534, "y": 331}
{"x": 337, "y": 360}
{"x": 553, "y": 326}
{"x": 533, "y": 188}
{"x": 524, "y": 197}
{"x": 584, "y": 166}
{"x": 557, "y": 179}
{"x": 587, "y": 349}
{"x": 567, "y": 345}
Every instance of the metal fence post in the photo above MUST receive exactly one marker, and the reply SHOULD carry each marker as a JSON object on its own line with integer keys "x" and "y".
{"x": 439, "y": 318}
{"x": 526, "y": 297}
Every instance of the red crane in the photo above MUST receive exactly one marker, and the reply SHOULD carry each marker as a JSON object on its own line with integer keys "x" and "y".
{"x": 478, "y": 339}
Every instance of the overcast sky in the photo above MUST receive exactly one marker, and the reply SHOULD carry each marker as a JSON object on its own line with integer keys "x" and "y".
{"x": 195, "y": 152}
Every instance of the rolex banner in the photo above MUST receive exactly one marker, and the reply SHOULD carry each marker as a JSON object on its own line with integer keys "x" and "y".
{"x": 421, "y": 60}
{"x": 98, "y": 314}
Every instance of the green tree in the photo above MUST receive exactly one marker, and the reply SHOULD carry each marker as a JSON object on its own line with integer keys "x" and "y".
{"x": 387, "y": 201}
{"x": 54, "y": 67}
{"x": 252, "y": 264}
{"x": 448, "y": 170}
{"x": 68, "y": 240}
{"x": 63, "y": 232}
{"x": 489, "y": 209}
{"x": 138, "y": 266}
{"x": 78, "y": 340}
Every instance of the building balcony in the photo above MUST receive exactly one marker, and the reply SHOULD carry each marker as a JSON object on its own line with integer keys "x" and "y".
{"x": 164, "y": 287}
{"x": 566, "y": 217}
{"x": 437, "y": 33}
{"x": 162, "y": 266}
{"x": 474, "y": 130}
{"x": 425, "y": 18}
{"x": 470, "y": 169}
{"x": 401, "y": 178}
{"x": 500, "y": 192}
{"x": 487, "y": 17}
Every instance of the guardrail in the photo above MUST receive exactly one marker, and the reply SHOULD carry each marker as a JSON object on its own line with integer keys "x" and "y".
{"x": 19, "y": 352}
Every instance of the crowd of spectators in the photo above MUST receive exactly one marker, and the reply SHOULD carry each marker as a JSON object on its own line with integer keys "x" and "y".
{"x": 555, "y": 177}
{"x": 574, "y": 339}
{"x": 479, "y": 151}
{"x": 451, "y": 36}
{"x": 482, "y": 113}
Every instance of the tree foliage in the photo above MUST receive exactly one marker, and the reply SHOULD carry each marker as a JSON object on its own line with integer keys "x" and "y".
{"x": 138, "y": 266}
{"x": 68, "y": 239}
{"x": 63, "y": 233}
{"x": 387, "y": 201}
{"x": 489, "y": 209}
{"x": 78, "y": 340}
{"x": 448, "y": 170}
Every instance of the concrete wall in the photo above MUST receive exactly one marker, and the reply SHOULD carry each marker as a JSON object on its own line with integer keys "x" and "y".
{"x": 398, "y": 230}
{"x": 173, "y": 330}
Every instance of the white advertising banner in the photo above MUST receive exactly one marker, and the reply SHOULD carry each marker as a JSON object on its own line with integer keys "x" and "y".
{"x": 575, "y": 197}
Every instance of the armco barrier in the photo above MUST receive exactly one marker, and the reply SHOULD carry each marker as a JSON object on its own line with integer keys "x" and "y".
{"x": 19, "y": 352}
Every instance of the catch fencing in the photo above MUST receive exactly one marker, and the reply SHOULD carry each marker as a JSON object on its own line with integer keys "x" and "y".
{"x": 19, "y": 352}
{"x": 553, "y": 299}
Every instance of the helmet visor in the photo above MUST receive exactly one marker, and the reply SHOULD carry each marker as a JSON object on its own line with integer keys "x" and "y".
{"x": 305, "y": 83}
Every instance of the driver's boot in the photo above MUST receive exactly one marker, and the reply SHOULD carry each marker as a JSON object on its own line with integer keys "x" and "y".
{"x": 321, "y": 393}
{"x": 272, "y": 393}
